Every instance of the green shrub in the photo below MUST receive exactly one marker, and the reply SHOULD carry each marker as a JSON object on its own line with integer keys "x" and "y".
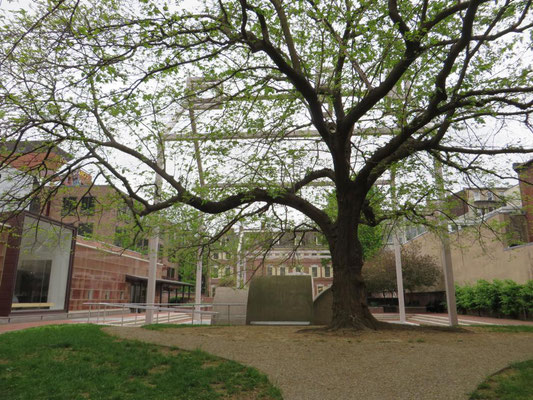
{"x": 509, "y": 293}
{"x": 465, "y": 297}
{"x": 485, "y": 296}
{"x": 526, "y": 298}
{"x": 502, "y": 297}
{"x": 174, "y": 300}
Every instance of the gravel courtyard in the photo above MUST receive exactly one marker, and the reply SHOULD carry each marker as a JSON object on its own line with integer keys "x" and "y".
{"x": 395, "y": 365}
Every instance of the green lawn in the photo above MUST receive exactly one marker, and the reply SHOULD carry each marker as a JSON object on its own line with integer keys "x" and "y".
{"x": 82, "y": 362}
{"x": 506, "y": 328}
{"x": 513, "y": 383}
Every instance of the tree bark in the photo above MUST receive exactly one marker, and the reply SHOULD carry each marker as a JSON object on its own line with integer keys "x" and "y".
{"x": 350, "y": 309}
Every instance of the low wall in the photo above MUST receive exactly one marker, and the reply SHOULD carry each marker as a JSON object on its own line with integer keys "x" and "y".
{"x": 323, "y": 308}
{"x": 237, "y": 314}
{"x": 280, "y": 299}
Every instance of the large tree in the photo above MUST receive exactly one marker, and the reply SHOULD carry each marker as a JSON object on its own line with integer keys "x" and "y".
{"x": 375, "y": 84}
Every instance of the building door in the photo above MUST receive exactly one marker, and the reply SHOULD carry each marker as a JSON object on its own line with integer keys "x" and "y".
{"x": 138, "y": 293}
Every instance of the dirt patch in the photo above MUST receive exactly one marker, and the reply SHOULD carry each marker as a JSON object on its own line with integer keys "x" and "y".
{"x": 212, "y": 363}
{"x": 158, "y": 369}
{"x": 169, "y": 351}
{"x": 218, "y": 387}
{"x": 3, "y": 361}
{"x": 311, "y": 364}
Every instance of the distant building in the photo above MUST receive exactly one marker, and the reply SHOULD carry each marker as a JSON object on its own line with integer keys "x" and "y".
{"x": 491, "y": 234}
{"x": 274, "y": 253}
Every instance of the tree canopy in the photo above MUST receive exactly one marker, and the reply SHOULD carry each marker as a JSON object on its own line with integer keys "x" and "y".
{"x": 419, "y": 271}
{"x": 292, "y": 95}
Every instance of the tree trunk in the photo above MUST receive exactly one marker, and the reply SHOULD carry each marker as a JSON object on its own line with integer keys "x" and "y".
{"x": 350, "y": 309}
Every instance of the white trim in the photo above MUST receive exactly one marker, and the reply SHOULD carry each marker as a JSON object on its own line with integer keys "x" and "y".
{"x": 114, "y": 253}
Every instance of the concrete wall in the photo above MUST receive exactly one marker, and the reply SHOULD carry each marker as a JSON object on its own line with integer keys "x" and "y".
{"x": 480, "y": 254}
{"x": 237, "y": 314}
{"x": 323, "y": 308}
{"x": 525, "y": 173}
{"x": 280, "y": 298}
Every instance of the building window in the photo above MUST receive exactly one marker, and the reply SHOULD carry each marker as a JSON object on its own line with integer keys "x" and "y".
{"x": 85, "y": 229}
{"x": 282, "y": 270}
{"x": 327, "y": 272}
{"x": 214, "y": 272}
{"x": 69, "y": 206}
{"x": 320, "y": 289}
{"x": 269, "y": 271}
{"x": 227, "y": 271}
{"x": 215, "y": 256}
{"x": 122, "y": 237}
{"x": 171, "y": 272}
{"x": 87, "y": 205}
{"x": 123, "y": 212}
{"x": 142, "y": 245}
{"x": 314, "y": 271}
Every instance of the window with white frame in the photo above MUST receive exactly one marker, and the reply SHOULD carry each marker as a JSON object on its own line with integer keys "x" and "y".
{"x": 314, "y": 271}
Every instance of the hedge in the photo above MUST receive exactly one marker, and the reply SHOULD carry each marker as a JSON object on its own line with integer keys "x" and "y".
{"x": 502, "y": 298}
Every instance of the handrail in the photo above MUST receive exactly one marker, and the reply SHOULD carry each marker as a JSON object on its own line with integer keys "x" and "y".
{"x": 195, "y": 311}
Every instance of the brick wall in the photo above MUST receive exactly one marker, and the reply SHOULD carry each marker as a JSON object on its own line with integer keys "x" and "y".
{"x": 3, "y": 247}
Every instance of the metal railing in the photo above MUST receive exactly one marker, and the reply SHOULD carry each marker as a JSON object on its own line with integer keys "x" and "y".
{"x": 107, "y": 313}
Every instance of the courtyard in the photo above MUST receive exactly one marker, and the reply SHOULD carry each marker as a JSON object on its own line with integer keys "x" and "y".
{"x": 397, "y": 364}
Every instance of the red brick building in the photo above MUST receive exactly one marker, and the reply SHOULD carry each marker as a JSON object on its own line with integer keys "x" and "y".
{"x": 271, "y": 253}
{"x": 46, "y": 263}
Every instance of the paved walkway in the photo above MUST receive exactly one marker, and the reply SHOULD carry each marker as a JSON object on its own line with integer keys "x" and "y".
{"x": 433, "y": 319}
{"x": 132, "y": 320}
{"x": 182, "y": 318}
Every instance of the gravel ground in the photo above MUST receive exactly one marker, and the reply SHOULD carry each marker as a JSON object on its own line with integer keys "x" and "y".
{"x": 317, "y": 365}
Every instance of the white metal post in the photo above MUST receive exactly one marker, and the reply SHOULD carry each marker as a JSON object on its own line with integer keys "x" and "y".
{"x": 199, "y": 262}
{"x": 239, "y": 259}
{"x": 397, "y": 252}
{"x": 153, "y": 240}
{"x": 447, "y": 267}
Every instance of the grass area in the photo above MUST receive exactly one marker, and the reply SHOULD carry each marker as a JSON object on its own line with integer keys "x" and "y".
{"x": 82, "y": 362}
{"x": 513, "y": 383}
{"x": 160, "y": 327}
{"x": 507, "y": 328}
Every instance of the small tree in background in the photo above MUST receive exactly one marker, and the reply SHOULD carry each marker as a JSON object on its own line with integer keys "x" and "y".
{"x": 419, "y": 271}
